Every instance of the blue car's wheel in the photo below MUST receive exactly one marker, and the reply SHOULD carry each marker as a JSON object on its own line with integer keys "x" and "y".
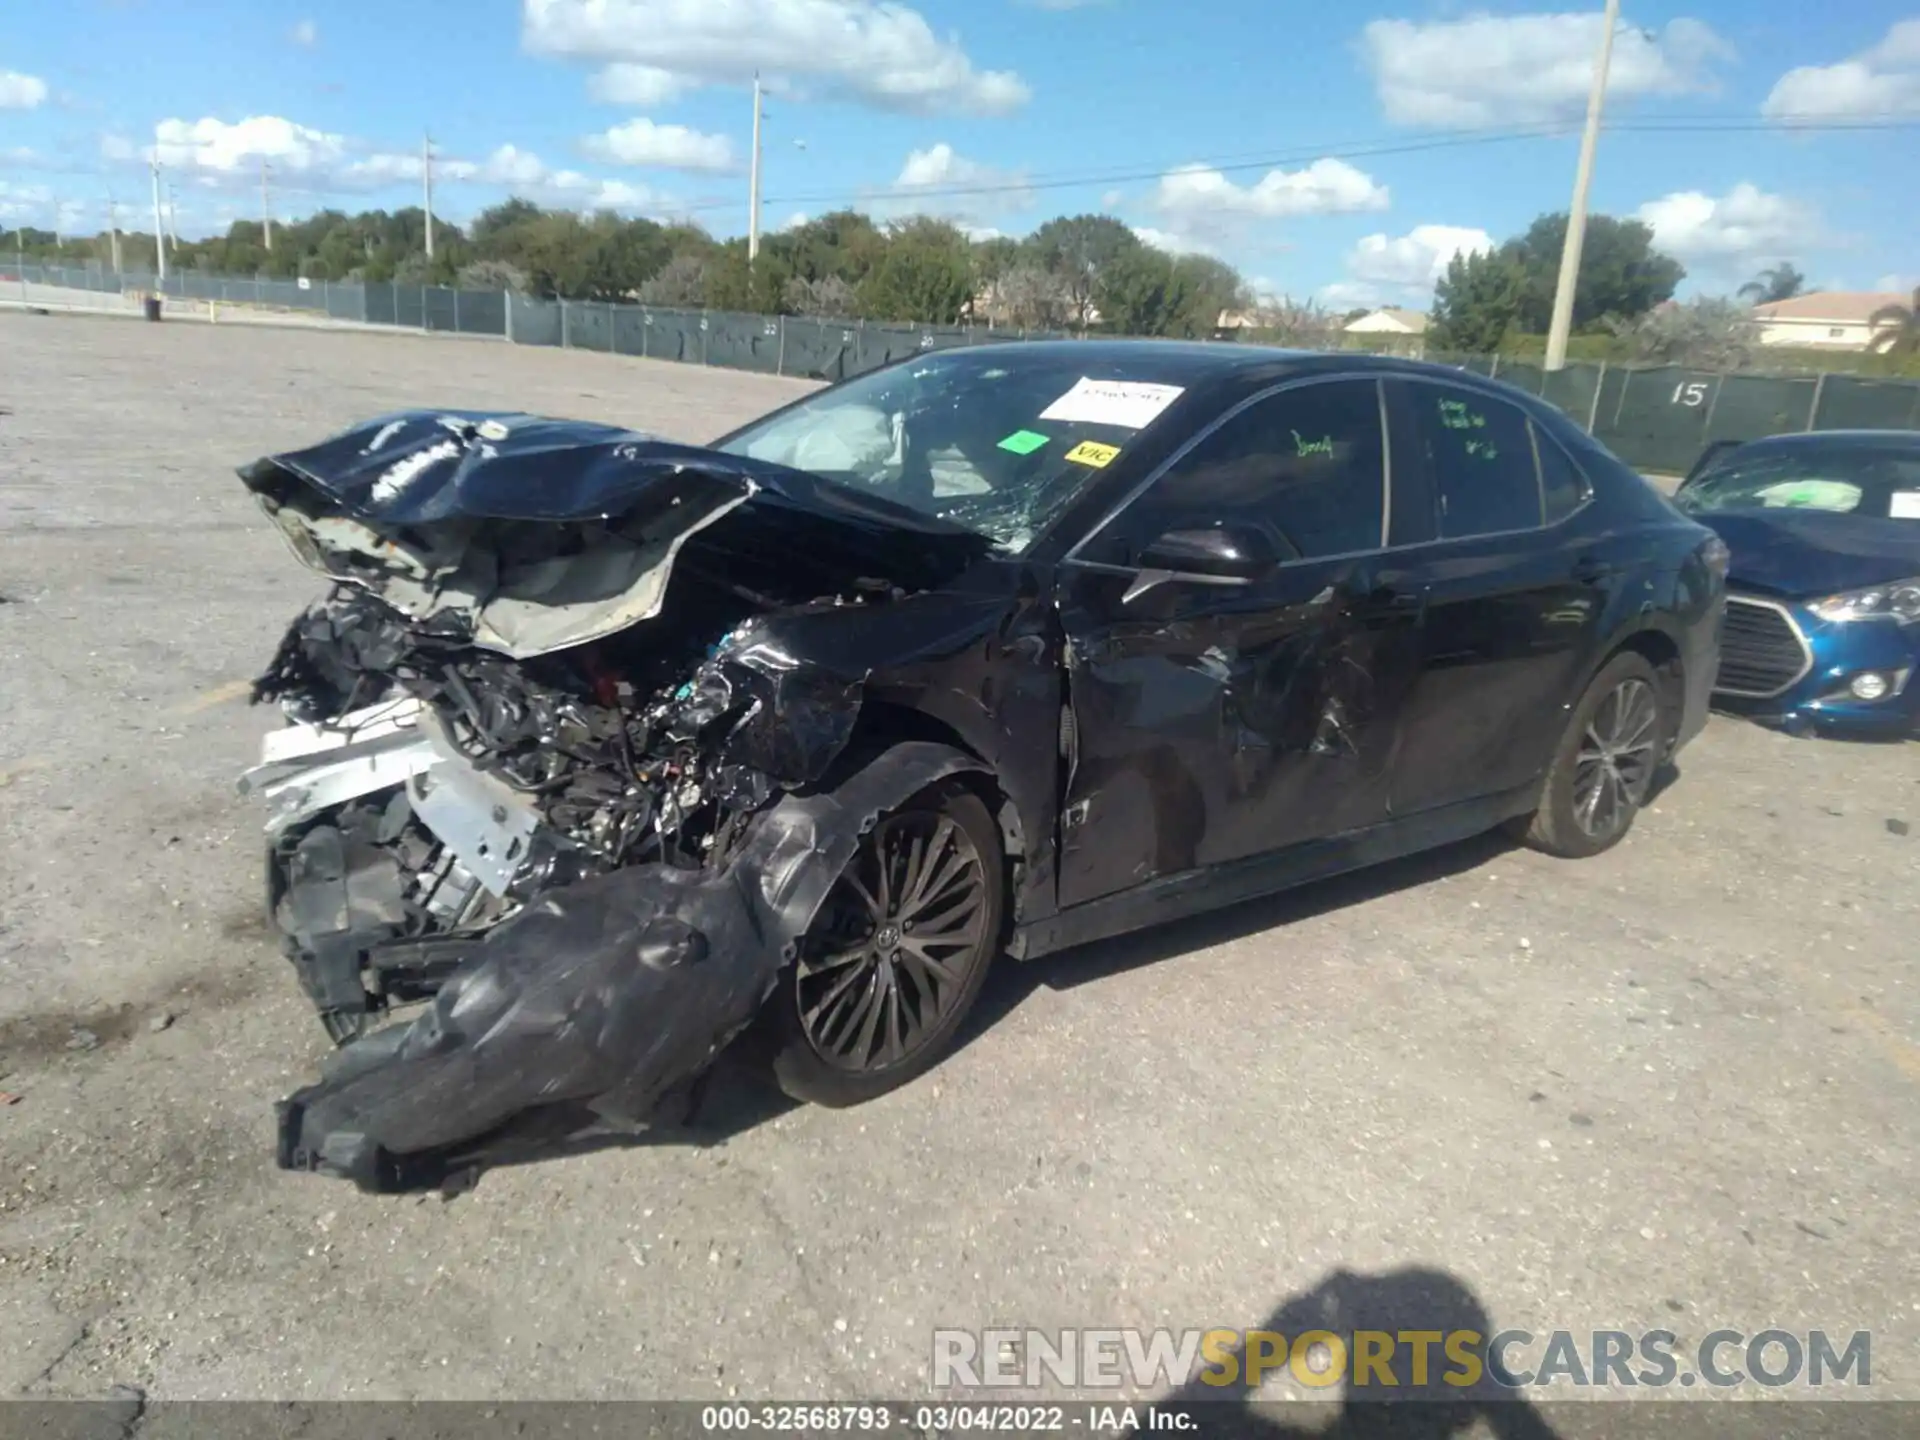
{"x": 1603, "y": 770}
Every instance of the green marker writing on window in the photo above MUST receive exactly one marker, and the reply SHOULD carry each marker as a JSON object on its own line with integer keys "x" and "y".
{"x": 1323, "y": 446}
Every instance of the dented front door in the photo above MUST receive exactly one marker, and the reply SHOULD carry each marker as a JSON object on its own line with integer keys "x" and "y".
{"x": 1212, "y": 724}
{"x": 1219, "y": 717}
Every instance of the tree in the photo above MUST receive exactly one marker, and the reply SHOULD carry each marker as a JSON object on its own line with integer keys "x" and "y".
{"x": 1303, "y": 325}
{"x": 1896, "y": 328}
{"x": 1776, "y": 282}
{"x": 1076, "y": 248}
{"x": 1028, "y": 296}
{"x": 1476, "y": 303}
{"x": 1712, "y": 334}
{"x": 1621, "y": 274}
{"x": 830, "y": 297}
{"x": 680, "y": 285}
{"x": 491, "y": 275}
{"x": 926, "y": 275}
{"x": 1144, "y": 291}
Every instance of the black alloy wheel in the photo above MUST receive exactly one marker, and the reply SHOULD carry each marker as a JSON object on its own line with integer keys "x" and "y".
{"x": 1618, "y": 753}
{"x": 897, "y": 954}
{"x": 1616, "y": 739}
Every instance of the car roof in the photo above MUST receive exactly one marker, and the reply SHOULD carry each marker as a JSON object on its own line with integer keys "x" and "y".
{"x": 1195, "y": 360}
{"x": 1849, "y": 439}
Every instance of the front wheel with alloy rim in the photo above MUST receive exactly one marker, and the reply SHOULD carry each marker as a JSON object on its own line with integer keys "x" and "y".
{"x": 897, "y": 954}
{"x": 1603, "y": 770}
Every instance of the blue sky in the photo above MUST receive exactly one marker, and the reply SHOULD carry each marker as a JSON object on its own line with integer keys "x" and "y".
{"x": 1327, "y": 151}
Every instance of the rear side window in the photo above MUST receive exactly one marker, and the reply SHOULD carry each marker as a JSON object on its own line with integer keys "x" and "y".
{"x": 1480, "y": 454}
{"x": 1307, "y": 465}
{"x": 1563, "y": 489}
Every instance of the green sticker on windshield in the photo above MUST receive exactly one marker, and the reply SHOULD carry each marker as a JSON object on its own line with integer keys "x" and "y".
{"x": 1024, "y": 442}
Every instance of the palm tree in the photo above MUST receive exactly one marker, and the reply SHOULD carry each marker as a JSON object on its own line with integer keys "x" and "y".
{"x": 1896, "y": 328}
{"x": 1776, "y": 282}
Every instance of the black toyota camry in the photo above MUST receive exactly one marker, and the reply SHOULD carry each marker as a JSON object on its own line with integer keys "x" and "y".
{"x": 611, "y": 750}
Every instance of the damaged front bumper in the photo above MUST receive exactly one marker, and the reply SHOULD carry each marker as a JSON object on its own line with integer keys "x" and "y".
{"x": 603, "y": 995}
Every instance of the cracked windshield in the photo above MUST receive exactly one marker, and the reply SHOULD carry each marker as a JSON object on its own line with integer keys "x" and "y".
{"x": 998, "y": 443}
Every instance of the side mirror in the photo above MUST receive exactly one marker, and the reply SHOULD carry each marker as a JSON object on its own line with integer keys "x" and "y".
{"x": 1236, "y": 553}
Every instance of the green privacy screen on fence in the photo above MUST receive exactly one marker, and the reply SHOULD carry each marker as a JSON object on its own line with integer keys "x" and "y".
{"x": 1656, "y": 418}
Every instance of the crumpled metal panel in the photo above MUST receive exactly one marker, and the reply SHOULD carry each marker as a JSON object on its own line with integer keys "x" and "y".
{"x": 608, "y": 993}
{"x": 416, "y": 466}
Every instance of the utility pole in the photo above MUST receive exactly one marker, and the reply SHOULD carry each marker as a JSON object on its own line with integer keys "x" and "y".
{"x": 753, "y": 183}
{"x": 1577, "y": 216}
{"x": 113, "y": 230}
{"x": 159, "y": 240}
{"x": 426, "y": 171}
{"x": 173, "y": 229}
{"x": 266, "y": 211}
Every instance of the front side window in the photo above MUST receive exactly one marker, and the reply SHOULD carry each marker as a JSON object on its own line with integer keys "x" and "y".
{"x": 1480, "y": 454}
{"x": 1306, "y": 466}
{"x": 1000, "y": 443}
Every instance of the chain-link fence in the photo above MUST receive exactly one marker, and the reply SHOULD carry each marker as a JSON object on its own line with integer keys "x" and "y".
{"x": 1657, "y": 418}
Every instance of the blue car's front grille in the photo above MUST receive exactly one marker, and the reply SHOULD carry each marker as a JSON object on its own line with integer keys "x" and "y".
{"x": 1762, "y": 652}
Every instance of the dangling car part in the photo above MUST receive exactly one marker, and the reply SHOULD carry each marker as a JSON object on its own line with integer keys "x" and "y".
{"x": 603, "y": 749}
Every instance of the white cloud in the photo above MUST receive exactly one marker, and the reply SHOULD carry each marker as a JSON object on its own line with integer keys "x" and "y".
{"x": 671, "y": 147}
{"x": 878, "y": 51}
{"x": 1401, "y": 269}
{"x": 940, "y": 166}
{"x": 1884, "y": 80}
{"x": 23, "y": 203}
{"x": 214, "y": 145}
{"x": 1326, "y": 187}
{"x": 1416, "y": 260}
{"x": 306, "y": 34}
{"x": 21, "y": 92}
{"x": 1733, "y": 233}
{"x": 1898, "y": 284}
{"x": 1171, "y": 243}
{"x": 221, "y": 156}
{"x": 642, "y": 85}
{"x": 927, "y": 176}
{"x": 1525, "y": 69}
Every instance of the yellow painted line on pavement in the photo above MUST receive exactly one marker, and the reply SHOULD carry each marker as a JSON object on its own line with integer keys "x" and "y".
{"x": 219, "y": 695}
{"x": 20, "y": 767}
{"x": 1897, "y": 1048}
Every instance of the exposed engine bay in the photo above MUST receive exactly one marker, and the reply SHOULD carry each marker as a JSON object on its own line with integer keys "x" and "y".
{"x": 479, "y": 782}
{"x": 543, "y": 685}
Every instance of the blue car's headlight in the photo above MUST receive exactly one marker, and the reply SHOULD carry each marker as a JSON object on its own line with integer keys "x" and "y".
{"x": 1899, "y": 601}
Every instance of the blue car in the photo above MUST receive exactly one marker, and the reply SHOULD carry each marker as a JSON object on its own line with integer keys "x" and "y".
{"x": 1823, "y": 594}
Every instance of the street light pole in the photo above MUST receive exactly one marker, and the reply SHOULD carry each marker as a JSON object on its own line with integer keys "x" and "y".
{"x": 753, "y": 183}
{"x": 159, "y": 235}
{"x": 1582, "y": 182}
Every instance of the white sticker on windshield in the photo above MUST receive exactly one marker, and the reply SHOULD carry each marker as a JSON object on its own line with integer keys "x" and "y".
{"x": 1129, "y": 403}
{"x": 1906, "y": 505}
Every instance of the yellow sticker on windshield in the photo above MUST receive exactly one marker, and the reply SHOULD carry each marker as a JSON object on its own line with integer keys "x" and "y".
{"x": 1092, "y": 452}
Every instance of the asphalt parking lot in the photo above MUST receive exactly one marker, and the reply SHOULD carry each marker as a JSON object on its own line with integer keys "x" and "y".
{"x": 1674, "y": 1087}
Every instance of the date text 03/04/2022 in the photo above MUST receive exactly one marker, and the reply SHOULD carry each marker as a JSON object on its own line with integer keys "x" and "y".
{"x": 943, "y": 1419}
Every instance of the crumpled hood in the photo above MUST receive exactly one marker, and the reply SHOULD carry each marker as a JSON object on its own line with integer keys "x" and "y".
{"x": 1796, "y": 553}
{"x": 531, "y": 534}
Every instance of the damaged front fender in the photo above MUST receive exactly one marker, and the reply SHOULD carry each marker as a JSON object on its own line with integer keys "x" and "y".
{"x": 607, "y": 993}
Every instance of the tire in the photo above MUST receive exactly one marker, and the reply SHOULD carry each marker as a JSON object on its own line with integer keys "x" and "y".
{"x": 1615, "y": 742}
{"x": 861, "y": 951}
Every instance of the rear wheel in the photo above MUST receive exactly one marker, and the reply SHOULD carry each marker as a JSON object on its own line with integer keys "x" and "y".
{"x": 897, "y": 955}
{"x": 1603, "y": 771}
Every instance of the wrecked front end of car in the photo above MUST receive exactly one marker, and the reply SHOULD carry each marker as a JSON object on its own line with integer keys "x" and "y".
{"x": 547, "y": 770}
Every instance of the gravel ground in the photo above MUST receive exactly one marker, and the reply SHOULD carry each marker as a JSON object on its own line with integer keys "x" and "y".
{"x": 1673, "y": 1087}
